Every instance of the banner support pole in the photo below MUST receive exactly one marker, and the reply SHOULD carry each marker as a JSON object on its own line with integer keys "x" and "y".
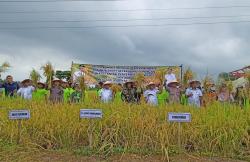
{"x": 181, "y": 66}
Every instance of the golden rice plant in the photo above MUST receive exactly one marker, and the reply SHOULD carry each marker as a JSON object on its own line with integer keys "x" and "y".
{"x": 160, "y": 75}
{"x": 140, "y": 79}
{"x": 218, "y": 130}
{"x": 35, "y": 76}
{"x": 188, "y": 76}
{"x": 48, "y": 72}
{"x": 4, "y": 67}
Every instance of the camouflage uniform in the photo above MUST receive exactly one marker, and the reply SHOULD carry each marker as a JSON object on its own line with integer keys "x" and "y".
{"x": 240, "y": 96}
{"x": 129, "y": 95}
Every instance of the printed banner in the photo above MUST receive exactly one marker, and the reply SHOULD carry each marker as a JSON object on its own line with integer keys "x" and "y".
{"x": 121, "y": 74}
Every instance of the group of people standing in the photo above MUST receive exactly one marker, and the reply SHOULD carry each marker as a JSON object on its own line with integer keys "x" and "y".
{"x": 171, "y": 91}
{"x": 59, "y": 92}
{"x": 154, "y": 93}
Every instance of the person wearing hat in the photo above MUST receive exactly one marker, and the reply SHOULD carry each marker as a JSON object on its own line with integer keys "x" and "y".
{"x": 129, "y": 92}
{"x": 56, "y": 92}
{"x": 106, "y": 94}
{"x": 40, "y": 94}
{"x": 194, "y": 94}
{"x": 78, "y": 74}
{"x": 151, "y": 94}
{"x": 170, "y": 76}
{"x": 26, "y": 90}
{"x": 224, "y": 94}
{"x": 174, "y": 92}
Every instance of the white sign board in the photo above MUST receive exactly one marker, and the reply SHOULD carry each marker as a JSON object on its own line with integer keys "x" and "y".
{"x": 179, "y": 117}
{"x": 19, "y": 114}
{"x": 90, "y": 113}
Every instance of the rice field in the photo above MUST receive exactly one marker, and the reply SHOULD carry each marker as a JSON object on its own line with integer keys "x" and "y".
{"x": 217, "y": 130}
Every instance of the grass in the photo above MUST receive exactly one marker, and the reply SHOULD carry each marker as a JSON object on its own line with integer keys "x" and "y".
{"x": 218, "y": 130}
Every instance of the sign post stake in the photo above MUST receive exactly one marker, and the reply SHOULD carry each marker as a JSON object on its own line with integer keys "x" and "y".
{"x": 19, "y": 129}
{"x": 90, "y": 133}
{"x": 19, "y": 115}
{"x": 179, "y": 136}
{"x": 179, "y": 118}
{"x": 91, "y": 114}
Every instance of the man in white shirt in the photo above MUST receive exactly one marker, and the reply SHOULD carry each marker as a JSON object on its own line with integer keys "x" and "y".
{"x": 194, "y": 94}
{"x": 78, "y": 74}
{"x": 170, "y": 76}
{"x": 26, "y": 90}
{"x": 106, "y": 94}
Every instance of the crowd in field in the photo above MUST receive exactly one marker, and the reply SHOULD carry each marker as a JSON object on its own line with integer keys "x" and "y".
{"x": 171, "y": 91}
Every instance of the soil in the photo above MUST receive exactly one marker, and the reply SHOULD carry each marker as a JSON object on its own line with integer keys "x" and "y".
{"x": 59, "y": 157}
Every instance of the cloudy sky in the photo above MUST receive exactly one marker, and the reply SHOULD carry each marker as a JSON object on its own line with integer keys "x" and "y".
{"x": 153, "y": 32}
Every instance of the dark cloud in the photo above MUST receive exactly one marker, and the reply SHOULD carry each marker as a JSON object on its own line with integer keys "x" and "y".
{"x": 212, "y": 48}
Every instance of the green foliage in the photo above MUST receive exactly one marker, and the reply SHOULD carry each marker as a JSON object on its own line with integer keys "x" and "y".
{"x": 63, "y": 75}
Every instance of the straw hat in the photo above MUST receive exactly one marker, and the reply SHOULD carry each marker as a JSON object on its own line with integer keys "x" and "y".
{"x": 194, "y": 81}
{"x": 151, "y": 83}
{"x": 57, "y": 80}
{"x": 129, "y": 81}
{"x": 173, "y": 82}
{"x": 40, "y": 83}
{"x": 25, "y": 81}
{"x": 107, "y": 83}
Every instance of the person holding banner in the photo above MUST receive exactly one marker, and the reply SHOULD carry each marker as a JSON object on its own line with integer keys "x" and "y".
{"x": 170, "y": 76}
{"x": 194, "y": 94}
{"x": 106, "y": 94}
{"x": 78, "y": 74}
{"x": 151, "y": 94}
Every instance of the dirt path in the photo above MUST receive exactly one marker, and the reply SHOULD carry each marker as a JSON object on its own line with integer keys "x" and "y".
{"x": 59, "y": 157}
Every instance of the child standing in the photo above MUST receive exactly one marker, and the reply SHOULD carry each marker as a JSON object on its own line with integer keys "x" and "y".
{"x": 106, "y": 94}
{"x": 26, "y": 90}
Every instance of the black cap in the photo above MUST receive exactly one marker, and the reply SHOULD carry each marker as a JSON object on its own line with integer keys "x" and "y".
{"x": 82, "y": 65}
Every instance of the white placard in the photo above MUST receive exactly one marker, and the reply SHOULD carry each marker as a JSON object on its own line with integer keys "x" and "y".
{"x": 90, "y": 113}
{"x": 179, "y": 117}
{"x": 19, "y": 114}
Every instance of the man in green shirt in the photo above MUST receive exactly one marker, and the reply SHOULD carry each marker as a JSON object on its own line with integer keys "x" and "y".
{"x": 40, "y": 94}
